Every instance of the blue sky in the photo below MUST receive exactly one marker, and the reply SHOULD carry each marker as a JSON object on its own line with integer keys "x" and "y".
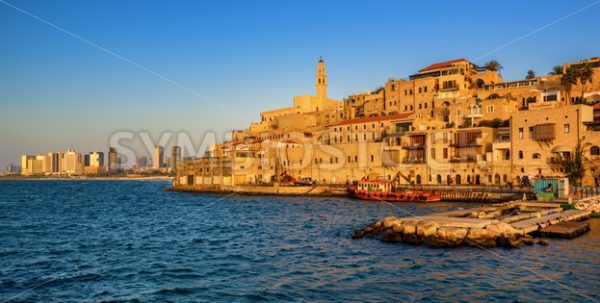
{"x": 58, "y": 92}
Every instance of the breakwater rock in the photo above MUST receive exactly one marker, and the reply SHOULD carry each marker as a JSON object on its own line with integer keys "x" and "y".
{"x": 431, "y": 233}
{"x": 591, "y": 204}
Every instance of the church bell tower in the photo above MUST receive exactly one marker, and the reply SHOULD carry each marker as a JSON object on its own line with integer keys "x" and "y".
{"x": 321, "y": 80}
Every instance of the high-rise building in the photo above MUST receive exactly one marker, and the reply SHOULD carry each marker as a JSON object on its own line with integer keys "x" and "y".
{"x": 175, "y": 157}
{"x": 27, "y": 165}
{"x": 39, "y": 165}
{"x": 159, "y": 156}
{"x": 94, "y": 163}
{"x": 73, "y": 162}
{"x": 94, "y": 159}
{"x": 11, "y": 168}
{"x": 141, "y": 163}
{"x": 113, "y": 159}
{"x": 56, "y": 162}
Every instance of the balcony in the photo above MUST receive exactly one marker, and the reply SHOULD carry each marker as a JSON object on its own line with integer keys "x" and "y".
{"x": 414, "y": 145}
{"x": 463, "y": 159}
{"x": 467, "y": 139}
{"x": 475, "y": 115}
{"x": 501, "y": 144}
{"x": 512, "y": 84}
{"x": 465, "y": 144}
{"x": 413, "y": 160}
{"x": 557, "y": 161}
{"x": 415, "y": 141}
{"x": 543, "y": 132}
{"x": 448, "y": 89}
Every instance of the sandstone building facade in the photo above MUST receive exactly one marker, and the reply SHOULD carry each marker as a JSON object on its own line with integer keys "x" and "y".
{"x": 452, "y": 122}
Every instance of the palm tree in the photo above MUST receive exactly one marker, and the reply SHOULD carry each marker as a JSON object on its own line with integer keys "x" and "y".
{"x": 574, "y": 166}
{"x": 493, "y": 65}
{"x": 530, "y": 75}
{"x": 557, "y": 70}
{"x": 584, "y": 73}
{"x": 568, "y": 79}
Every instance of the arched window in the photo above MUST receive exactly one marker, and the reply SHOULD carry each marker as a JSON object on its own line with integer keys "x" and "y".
{"x": 595, "y": 151}
{"x": 457, "y": 179}
{"x": 536, "y": 156}
{"x": 480, "y": 83}
{"x": 418, "y": 179}
{"x": 520, "y": 154}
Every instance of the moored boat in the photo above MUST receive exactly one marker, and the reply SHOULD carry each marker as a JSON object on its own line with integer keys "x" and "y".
{"x": 386, "y": 190}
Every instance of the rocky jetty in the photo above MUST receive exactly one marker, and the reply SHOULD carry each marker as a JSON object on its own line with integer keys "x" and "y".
{"x": 431, "y": 233}
{"x": 506, "y": 224}
{"x": 591, "y": 204}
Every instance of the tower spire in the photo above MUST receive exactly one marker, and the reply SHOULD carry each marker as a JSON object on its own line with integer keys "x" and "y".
{"x": 321, "y": 79}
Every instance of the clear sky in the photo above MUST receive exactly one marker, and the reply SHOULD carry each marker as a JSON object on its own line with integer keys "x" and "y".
{"x": 57, "y": 91}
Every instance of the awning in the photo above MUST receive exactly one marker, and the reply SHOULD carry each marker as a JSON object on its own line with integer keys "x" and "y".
{"x": 562, "y": 149}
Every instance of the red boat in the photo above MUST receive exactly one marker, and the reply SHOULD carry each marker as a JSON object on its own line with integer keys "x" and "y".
{"x": 384, "y": 190}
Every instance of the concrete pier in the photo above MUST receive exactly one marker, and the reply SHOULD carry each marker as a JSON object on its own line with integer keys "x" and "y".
{"x": 506, "y": 224}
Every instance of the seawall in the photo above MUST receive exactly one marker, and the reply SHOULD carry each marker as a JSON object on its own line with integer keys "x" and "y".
{"x": 448, "y": 194}
{"x": 319, "y": 190}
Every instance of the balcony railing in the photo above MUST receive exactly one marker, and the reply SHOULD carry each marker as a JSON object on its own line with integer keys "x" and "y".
{"x": 412, "y": 160}
{"x": 468, "y": 158}
{"x": 448, "y": 89}
{"x": 463, "y": 144}
{"x": 413, "y": 145}
{"x": 557, "y": 161}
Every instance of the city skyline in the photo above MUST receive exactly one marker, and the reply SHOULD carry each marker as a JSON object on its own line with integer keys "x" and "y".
{"x": 61, "y": 92}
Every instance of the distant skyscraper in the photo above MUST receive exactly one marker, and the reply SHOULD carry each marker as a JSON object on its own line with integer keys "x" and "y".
{"x": 175, "y": 157}
{"x": 11, "y": 168}
{"x": 94, "y": 159}
{"x": 38, "y": 164}
{"x": 27, "y": 165}
{"x": 73, "y": 162}
{"x": 113, "y": 159}
{"x": 141, "y": 163}
{"x": 159, "y": 156}
{"x": 56, "y": 162}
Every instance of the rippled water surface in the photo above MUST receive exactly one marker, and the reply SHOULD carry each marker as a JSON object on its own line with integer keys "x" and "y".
{"x": 130, "y": 241}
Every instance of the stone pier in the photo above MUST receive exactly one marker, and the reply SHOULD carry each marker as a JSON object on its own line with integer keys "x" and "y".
{"x": 507, "y": 224}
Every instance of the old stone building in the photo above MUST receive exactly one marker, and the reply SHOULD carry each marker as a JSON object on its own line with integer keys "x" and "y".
{"x": 453, "y": 122}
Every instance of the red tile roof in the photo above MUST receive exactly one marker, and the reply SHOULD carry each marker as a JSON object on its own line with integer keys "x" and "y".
{"x": 596, "y": 106}
{"x": 442, "y": 64}
{"x": 376, "y": 119}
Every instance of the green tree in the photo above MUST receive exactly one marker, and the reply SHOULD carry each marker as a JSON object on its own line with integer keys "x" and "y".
{"x": 584, "y": 74}
{"x": 574, "y": 166}
{"x": 530, "y": 75}
{"x": 557, "y": 70}
{"x": 493, "y": 65}
{"x": 568, "y": 79}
